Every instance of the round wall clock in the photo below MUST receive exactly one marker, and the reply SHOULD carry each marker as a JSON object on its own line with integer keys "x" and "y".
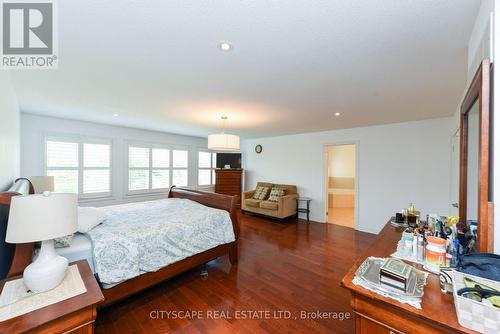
{"x": 258, "y": 149}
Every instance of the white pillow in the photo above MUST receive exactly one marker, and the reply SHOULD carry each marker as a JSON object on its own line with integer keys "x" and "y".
{"x": 88, "y": 218}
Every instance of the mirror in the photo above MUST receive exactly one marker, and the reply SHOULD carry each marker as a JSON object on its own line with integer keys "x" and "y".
{"x": 474, "y": 203}
{"x": 473, "y": 162}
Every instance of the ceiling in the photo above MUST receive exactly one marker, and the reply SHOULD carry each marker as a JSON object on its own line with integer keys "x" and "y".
{"x": 294, "y": 64}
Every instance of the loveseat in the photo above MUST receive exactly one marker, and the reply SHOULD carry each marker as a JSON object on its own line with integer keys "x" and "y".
{"x": 284, "y": 207}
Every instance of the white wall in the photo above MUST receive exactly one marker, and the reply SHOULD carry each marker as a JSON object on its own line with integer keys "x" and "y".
{"x": 478, "y": 48}
{"x": 342, "y": 161}
{"x": 479, "y": 45}
{"x": 34, "y": 128}
{"x": 398, "y": 164}
{"x": 9, "y": 132}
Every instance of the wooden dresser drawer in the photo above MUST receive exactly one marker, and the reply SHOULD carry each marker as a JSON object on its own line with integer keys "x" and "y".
{"x": 229, "y": 182}
{"x": 367, "y": 326}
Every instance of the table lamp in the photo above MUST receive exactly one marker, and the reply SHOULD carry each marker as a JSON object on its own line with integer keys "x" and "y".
{"x": 43, "y": 217}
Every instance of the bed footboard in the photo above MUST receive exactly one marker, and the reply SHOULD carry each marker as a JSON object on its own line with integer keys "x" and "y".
{"x": 147, "y": 280}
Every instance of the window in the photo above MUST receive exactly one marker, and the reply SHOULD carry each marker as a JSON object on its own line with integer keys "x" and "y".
{"x": 206, "y": 168}
{"x": 79, "y": 166}
{"x": 179, "y": 171}
{"x": 150, "y": 168}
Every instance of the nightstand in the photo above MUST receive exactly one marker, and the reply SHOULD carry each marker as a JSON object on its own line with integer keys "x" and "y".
{"x": 74, "y": 315}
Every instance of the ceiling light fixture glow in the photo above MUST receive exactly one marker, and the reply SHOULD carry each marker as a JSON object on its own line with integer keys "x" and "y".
{"x": 337, "y": 114}
{"x": 116, "y": 115}
{"x": 223, "y": 141}
{"x": 225, "y": 46}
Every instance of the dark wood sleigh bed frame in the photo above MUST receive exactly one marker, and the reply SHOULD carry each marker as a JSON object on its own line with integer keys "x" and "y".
{"x": 23, "y": 252}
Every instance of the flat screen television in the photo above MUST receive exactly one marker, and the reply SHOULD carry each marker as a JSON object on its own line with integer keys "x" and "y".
{"x": 231, "y": 159}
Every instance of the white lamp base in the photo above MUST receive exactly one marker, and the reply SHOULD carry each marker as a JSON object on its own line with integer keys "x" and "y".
{"x": 47, "y": 271}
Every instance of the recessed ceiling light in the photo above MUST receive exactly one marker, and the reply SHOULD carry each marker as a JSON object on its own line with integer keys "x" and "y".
{"x": 116, "y": 115}
{"x": 225, "y": 46}
{"x": 337, "y": 114}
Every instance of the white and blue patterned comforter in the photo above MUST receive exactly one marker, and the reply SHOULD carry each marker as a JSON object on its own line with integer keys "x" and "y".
{"x": 142, "y": 237}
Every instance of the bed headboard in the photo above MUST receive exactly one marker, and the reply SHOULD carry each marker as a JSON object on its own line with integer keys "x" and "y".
{"x": 218, "y": 201}
{"x": 21, "y": 186}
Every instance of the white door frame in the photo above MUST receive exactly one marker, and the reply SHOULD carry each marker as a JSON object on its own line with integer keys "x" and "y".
{"x": 356, "y": 179}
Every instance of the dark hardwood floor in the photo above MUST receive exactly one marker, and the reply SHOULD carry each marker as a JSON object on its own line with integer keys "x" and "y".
{"x": 284, "y": 269}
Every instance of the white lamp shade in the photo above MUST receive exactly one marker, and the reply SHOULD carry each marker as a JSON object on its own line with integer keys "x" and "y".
{"x": 223, "y": 142}
{"x": 41, "y": 217}
{"x": 42, "y": 183}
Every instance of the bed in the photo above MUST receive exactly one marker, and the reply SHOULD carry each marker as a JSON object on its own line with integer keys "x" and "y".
{"x": 122, "y": 278}
{"x": 80, "y": 249}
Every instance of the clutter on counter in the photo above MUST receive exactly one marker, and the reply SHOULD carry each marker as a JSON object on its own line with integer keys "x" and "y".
{"x": 436, "y": 241}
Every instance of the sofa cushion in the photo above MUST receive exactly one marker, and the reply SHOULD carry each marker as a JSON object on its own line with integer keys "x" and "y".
{"x": 252, "y": 202}
{"x": 269, "y": 205}
{"x": 289, "y": 189}
{"x": 261, "y": 193}
{"x": 275, "y": 194}
{"x": 264, "y": 184}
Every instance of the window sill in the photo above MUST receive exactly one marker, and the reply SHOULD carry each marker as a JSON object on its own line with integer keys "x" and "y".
{"x": 147, "y": 193}
{"x": 96, "y": 198}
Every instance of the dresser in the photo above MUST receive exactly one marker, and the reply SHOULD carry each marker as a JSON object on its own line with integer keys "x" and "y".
{"x": 228, "y": 182}
{"x": 376, "y": 314}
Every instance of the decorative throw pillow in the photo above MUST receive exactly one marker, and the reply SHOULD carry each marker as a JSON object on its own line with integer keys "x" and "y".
{"x": 63, "y": 241}
{"x": 88, "y": 218}
{"x": 275, "y": 194}
{"x": 261, "y": 193}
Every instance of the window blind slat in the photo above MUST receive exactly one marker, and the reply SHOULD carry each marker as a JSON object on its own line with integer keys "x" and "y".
{"x": 62, "y": 154}
{"x": 96, "y": 181}
{"x": 65, "y": 154}
{"x": 138, "y": 179}
{"x": 204, "y": 159}
{"x": 160, "y": 178}
{"x": 161, "y": 158}
{"x": 65, "y": 181}
{"x": 180, "y": 159}
{"x": 179, "y": 177}
{"x": 204, "y": 177}
{"x": 138, "y": 157}
{"x": 96, "y": 155}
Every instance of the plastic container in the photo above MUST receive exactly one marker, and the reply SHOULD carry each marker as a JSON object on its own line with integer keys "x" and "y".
{"x": 435, "y": 254}
{"x": 473, "y": 314}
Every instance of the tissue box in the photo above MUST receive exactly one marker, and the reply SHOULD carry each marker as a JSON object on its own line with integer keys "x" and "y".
{"x": 395, "y": 273}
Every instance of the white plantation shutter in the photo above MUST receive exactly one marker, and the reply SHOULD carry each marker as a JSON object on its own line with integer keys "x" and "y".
{"x": 62, "y": 154}
{"x": 180, "y": 159}
{"x": 161, "y": 158}
{"x": 160, "y": 174}
{"x": 206, "y": 168}
{"x": 150, "y": 168}
{"x": 96, "y": 155}
{"x": 138, "y": 157}
{"x": 138, "y": 162}
{"x": 204, "y": 159}
{"x": 79, "y": 167}
{"x": 95, "y": 181}
{"x": 65, "y": 181}
{"x": 180, "y": 165}
{"x": 62, "y": 164}
{"x": 96, "y": 168}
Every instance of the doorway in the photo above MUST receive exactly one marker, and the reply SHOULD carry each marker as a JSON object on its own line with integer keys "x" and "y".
{"x": 341, "y": 184}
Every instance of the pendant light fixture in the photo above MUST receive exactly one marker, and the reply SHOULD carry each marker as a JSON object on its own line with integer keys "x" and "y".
{"x": 223, "y": 141}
